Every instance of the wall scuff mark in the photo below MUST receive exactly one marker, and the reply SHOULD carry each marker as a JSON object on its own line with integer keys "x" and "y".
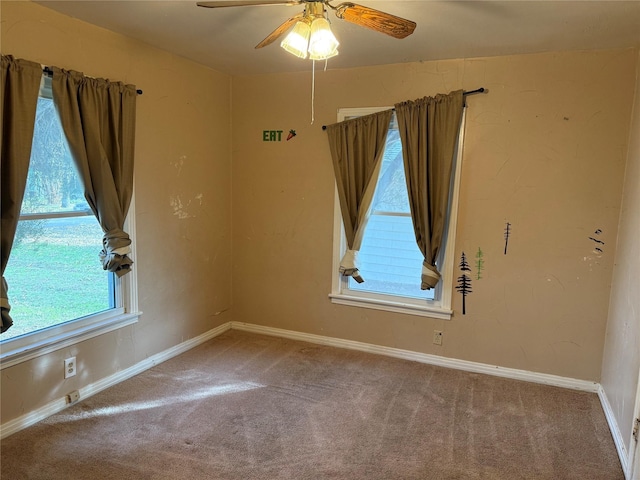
{"x": 180, "y": 163}
{"x": 179, "y": 209}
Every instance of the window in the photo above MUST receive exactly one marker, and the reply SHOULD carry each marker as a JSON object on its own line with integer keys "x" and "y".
{"x": 59, "y": 293}
{"x": 389, "y": 258}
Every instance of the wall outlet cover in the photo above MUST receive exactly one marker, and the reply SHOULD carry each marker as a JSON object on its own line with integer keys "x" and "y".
{"x": 70, "y": 367}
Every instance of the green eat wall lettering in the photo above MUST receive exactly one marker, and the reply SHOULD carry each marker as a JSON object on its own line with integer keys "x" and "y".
{"x": 272, "y": 135}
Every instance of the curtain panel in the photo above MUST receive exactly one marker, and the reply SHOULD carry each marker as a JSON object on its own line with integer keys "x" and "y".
{"x": 20, "y": 83}
{"x": 429, "y": 130}
{"x": 357, "y": 146}
{"x": 98, "y": 118}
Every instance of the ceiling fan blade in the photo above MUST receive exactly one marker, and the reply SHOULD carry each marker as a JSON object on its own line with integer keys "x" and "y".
{"x": 273, "y": 36}
{"x": 376, "y": 20}
{"x": 246, "y": 3}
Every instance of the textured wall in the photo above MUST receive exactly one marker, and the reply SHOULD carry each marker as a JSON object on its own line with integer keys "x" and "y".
{"x": 621, "y": 364}
{"x": 183, "y": 198}
{"x": 545, "y": 150}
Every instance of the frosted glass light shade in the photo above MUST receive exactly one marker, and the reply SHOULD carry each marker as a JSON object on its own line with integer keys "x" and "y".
{"x": 298, "y": 39}
{"x": 322, "y": 44}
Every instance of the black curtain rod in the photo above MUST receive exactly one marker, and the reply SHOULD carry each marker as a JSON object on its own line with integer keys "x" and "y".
{"x": 49, "y": 72}
{"x": 470, "y": 92}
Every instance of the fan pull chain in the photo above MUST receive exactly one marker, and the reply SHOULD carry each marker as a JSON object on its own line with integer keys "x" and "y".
{"x": 313, "y": 90}
{"x": 313, "y": 86}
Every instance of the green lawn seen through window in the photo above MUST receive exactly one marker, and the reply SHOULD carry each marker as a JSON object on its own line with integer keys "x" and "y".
{"x": 54, "y": 274}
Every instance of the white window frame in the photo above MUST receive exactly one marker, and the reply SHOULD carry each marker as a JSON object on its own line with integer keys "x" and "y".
{"x": 439, "y": 308}
{"x": 41, "y": 342}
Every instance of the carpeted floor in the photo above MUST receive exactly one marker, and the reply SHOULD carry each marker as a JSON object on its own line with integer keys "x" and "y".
{"x": 245, "y": 406}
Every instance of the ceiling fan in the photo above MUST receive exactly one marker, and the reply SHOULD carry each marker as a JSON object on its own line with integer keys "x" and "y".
{"x": 315, "y": 10}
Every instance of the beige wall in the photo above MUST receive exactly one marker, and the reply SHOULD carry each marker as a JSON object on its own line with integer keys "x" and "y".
{"x": 183, "y": 196}
{"x": 621, "y": 364}
{"x": 545, "y": 150}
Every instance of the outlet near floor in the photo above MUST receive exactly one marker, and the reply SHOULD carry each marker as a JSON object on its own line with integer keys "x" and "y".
{"x": 73, "y": 397}
{"x": 70, "y": 367}
{"x": 437, "y": 337}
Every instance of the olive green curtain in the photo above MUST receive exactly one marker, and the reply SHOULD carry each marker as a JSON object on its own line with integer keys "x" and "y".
{"x": 428, "y": 131}
{"x": 98, "y": 118}
{"x": 357, "y": 147}
{"x": 20, "y": 83}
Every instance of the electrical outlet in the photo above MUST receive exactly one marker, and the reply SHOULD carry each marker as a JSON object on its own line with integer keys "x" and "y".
{"x": 73, "y": 397}
{"x": 70, "y": 367}
{"x": 437, "y": 337}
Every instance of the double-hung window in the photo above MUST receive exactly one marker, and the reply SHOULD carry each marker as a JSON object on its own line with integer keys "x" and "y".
{"x": 389, "y": 258}
{"x": 59, "y": 292}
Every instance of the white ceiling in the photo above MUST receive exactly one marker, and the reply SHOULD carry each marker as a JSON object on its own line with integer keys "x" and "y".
{"x": 224, "y": 39}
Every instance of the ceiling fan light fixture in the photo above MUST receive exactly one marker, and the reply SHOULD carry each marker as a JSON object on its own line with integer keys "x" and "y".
{"x": 322, "y": 43}
{"x": 297, "y": 41}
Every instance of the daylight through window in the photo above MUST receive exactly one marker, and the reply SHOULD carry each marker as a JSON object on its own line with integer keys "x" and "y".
{"x": 53, "y": 273}
{"x": 389, "y": 259}
{"x": 59, "y": 293}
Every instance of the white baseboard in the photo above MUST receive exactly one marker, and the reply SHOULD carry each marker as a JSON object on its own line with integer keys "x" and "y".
{"x": 465, "y": 365}
{"x": 615, "y": 432}
{"x": 32, "y": 417}
{"x": 60, "y": 404}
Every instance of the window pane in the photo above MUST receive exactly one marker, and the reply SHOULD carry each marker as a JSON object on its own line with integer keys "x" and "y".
{"x": 53, "y": 184}
{"x": 54, "y": 273}
{"x": 389, "y": 259}
{"x": 391, "y": 191}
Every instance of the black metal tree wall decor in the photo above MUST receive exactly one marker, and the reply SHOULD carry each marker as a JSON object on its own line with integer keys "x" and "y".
{"x": 464, "y": 282}
{"x": 507, "y": 234}
{"x": 599, "y": 244}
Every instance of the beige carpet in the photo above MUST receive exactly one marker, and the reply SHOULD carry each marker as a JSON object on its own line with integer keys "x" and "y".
{"x": 245, "y": 406}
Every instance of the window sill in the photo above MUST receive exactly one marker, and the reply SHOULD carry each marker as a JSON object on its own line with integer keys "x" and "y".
{"x": 14, "y": 354}
{"x": 392, "y": 306}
